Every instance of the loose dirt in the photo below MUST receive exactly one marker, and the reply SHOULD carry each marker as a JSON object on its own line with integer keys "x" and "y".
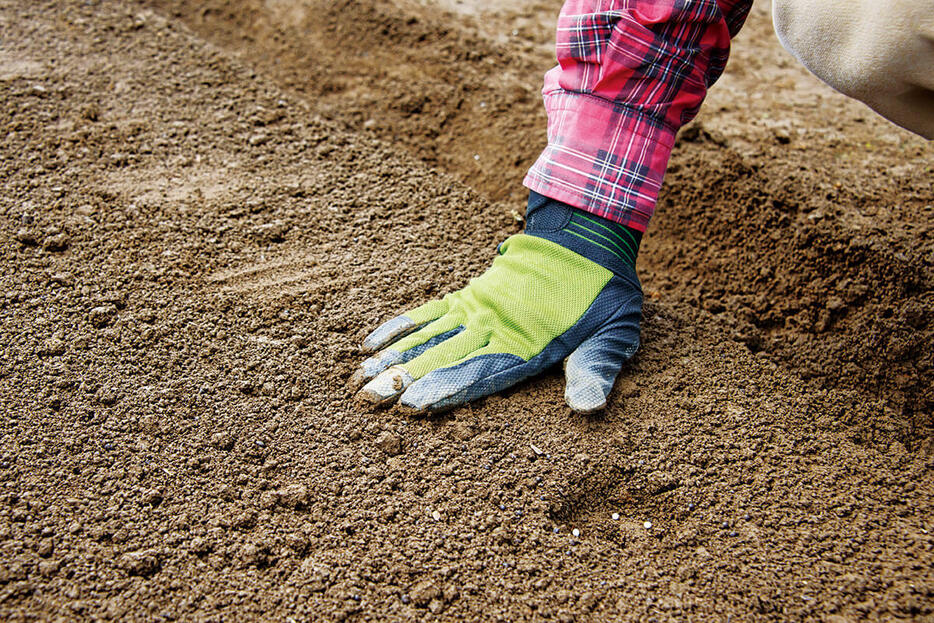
{"x": 208, "y": 205}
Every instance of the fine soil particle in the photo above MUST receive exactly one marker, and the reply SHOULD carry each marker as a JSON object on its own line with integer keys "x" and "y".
{"x": 201, "y": 225}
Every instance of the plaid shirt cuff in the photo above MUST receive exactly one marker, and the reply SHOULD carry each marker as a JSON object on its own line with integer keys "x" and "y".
{"x": 603, "y": 157}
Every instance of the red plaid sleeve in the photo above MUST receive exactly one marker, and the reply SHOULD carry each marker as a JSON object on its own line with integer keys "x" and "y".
{"x": 629, "y": 74}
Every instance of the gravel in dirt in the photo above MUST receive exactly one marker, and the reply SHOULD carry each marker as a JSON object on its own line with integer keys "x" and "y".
{"x": 194, "y": 244}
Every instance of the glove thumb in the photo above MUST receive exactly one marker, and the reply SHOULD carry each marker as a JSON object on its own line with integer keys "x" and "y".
{"x": 591, "y": 370}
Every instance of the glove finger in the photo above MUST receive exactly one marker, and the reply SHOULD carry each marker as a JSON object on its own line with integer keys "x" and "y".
{"x": 484, "y": 372}
{"x": 393, "y": 381}
{"x": 592, "y": 368}
{"x": 391, "y": 356}
{"x": 403, "y": 350}
{"x": 397, "y": 327}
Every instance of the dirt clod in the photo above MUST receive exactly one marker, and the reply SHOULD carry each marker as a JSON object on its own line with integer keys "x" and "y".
{"x": 153, "y": 497}
{"x": 424, "y": 593}
{"x": 294, "y": 496}
{"x": 463, "y": 430}
{"x": 223, "y": 440}
{"x": 52, "y": 347}
{"x": 56, "y": 243}
{"x": 142, "y": 563}
{"x": 390, "y": 443}
{"x": 48, "y": 568}
{"x": 46, "y": 547}
{"x": 108, "y": 396}
{"x": 26, "y": 237}
{"x": 102, "y": 315}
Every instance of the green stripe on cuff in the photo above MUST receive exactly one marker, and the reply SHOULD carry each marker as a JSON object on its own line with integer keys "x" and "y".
{"x": 630, "y": 255}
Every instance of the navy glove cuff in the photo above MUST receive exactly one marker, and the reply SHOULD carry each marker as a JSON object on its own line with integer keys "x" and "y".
{"x": 600, "y": 240}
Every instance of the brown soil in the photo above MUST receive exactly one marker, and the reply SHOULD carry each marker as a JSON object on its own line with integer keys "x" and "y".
{"x": 207, "y": 205}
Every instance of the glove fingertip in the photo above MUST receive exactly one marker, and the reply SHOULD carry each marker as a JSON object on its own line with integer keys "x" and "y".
{"x": 433, "y": 394}
{"x": 386, "y": 386}
{"x": 413, "y": 403}
{"x": 388, "y": 332}
{"x": 585, "y": 399}
{"x": 423, "y": 408}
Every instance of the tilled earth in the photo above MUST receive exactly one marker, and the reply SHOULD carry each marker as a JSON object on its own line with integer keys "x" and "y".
{"x": 206, "y": 206}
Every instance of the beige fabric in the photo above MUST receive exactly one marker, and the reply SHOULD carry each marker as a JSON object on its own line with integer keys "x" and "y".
{"x": 878, "y": 51}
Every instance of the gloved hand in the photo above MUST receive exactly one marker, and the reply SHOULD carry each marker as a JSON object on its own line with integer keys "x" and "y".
{"x": 565, "y": 288}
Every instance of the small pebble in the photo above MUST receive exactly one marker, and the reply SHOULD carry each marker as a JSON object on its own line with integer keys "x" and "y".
{"x": 647, "y": 525}
{"x": 436, "y": 515}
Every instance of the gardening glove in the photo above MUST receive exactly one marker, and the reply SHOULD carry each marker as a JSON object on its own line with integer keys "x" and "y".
{"x": 566, "y": 288}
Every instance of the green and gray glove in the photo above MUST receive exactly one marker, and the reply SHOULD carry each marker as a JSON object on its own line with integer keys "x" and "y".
{"x": 566, "y": 288}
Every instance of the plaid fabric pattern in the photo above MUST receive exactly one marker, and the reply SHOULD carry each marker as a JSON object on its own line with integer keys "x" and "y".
{"x": 629, "y": 74}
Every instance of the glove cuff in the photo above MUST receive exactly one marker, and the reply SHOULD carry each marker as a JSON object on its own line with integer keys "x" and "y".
{"x": 604, "y": 242}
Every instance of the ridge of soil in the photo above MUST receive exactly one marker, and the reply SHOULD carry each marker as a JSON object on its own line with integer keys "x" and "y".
{"x": 190, "y": 254}
{"x": 450, "y": 96}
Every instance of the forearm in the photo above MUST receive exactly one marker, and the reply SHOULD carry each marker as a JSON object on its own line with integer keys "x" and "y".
{"x": 630, "y": 74}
